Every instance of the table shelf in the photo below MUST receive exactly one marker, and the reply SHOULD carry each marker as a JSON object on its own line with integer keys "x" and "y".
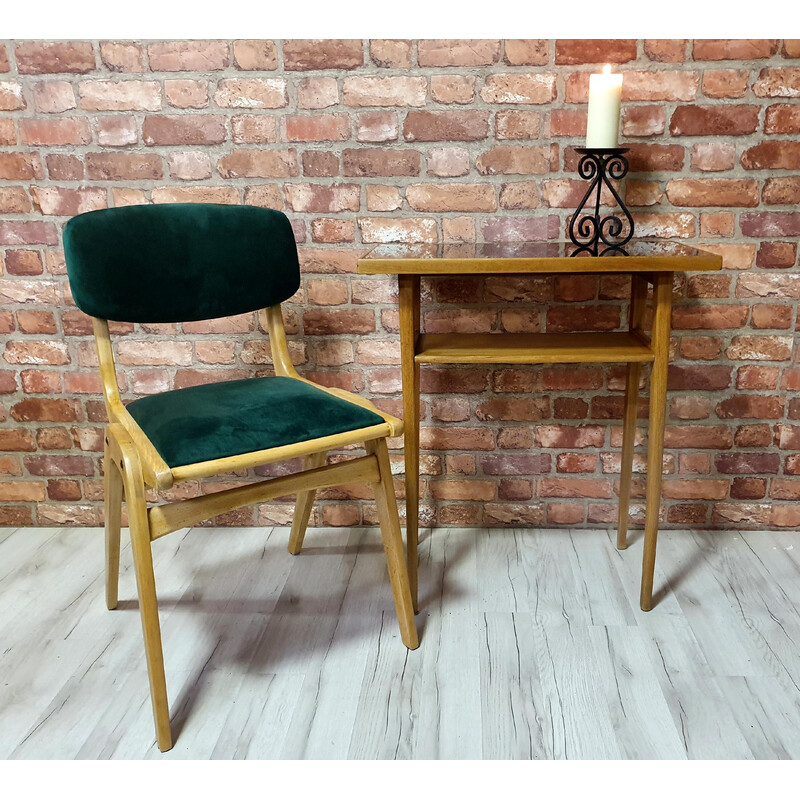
{"x": 532, "y": 348}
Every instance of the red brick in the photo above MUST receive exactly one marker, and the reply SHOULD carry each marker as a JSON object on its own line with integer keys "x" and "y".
{"x": 520, "y": 229}
{"x": 713, "y": 156}
{"x": 259, "y": 164}
{"x": 713, "y": 192}
{"x": 37, "y": 381}
{"x": 643, "y": 121}
{"x": 255, "y": 54}
{"x": 15, "y": 233}
{"x": 747, "y": 463}
{"x": 778, "y": 82}
{"x": 390, "y": 53}
{"x": 773, "y": 154}
{"x": 518, "y": 160}
{"x": 11, "y": 97}
{"x": 698, "y": 437}
{"x": 20, "y": 167}
{"x": 251, "y": 93}
{"x": 519, "y": 195}
{"x": 70, "y": 130}
{"x": 584, "y": 318}
{"x": 782, "y": 191}
{"x": 655, "y": 157}
{"x": 733, "y": 49}
{"x": 313, "y": 54}
{"x": 56, "y": 201}
{"x": 770, "y": 224}
{"x": 504, "y": 514}
{"x": 456, "y": 438}
{"x": 725, "y": 82}
{"x": 61, "y": 167}
{"x": 771, "y": 316}
{"x": 123, "y": 166}
{"x": 201, "y": 56}
{"x": 755, "y": 377}
{"x": 120, "y": 95}
{"x": 184, "y": 129}
{"x": 518, "y": 124}
{"x": 665, "y": 50}
{"x": 453, "y": 197}
{"x": 54, "y": 97}
{"x": 379, "y": 162}
{"x": 751, "y": 407}
{"x": 448, "y": 162}
{"x": 718, "y": 120}
{"x": 185, "y": 93}
{"x": 16, "y": 440}
{"x": 519, "y": 88}
{"x": 458, "y": 52}
{"x": 783, "y": 118}
{"x": 595, "y": 51}
{"x": 122, "y": 56}
{"x": 375, "y": 90}
{"x": 463, "y": 490}
{"x": 8, "y": 135}
{"x": 36, "y": 321}
{"x": 315, "y": 127}
{"x": 453, "y": 88}
{"x": 46, "y": 410}
{"x": 40, "y": 58}
{"x": 760, "y": 348}
{"x": 196, "y": 194}
{"x": 14, "y": 200}
{"x": 454, "y": 126}
{"x": 526, "y": 52}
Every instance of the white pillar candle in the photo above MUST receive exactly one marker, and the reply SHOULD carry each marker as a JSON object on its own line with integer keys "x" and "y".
{"x": 605, "y": 93}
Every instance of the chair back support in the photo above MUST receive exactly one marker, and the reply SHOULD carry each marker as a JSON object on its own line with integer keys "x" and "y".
{"x": 180, "y": 262}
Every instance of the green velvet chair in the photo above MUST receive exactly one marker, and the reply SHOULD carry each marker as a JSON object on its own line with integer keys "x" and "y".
{"x": 184, "y": 262}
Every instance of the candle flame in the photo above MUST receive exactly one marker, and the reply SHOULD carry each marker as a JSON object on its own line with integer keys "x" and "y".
{"x": 607, "y": 69}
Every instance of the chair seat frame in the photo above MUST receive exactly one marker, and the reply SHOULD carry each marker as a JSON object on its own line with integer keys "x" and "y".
{"x": 132, "y": 465}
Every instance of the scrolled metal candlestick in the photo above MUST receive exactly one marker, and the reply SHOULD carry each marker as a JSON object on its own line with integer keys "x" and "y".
{"x": 590, "y": 232}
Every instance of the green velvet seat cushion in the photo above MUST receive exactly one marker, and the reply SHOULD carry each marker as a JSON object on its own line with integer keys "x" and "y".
{"x": 217, "y": 420}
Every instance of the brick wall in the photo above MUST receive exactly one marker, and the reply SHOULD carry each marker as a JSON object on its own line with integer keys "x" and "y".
{"x": 363, "y": 142}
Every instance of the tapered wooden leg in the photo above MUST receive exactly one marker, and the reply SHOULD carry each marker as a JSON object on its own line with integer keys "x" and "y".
{"x": 628, "y": 439}
{"x": 393, "y": 545}
{"x": 662, "y": 300}
{"x": 146, "y": 586}
{"x": 113, "y": 515}
{"x": 635, "y": 325}
{"x": 409, "y": 330}
{"x": 303, "y": 506}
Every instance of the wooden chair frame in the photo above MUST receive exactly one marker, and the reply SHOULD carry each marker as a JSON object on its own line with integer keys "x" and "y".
{"x": 132, "y": 463}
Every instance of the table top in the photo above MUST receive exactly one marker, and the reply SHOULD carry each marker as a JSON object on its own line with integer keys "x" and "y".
{"x": 644, "y": 255}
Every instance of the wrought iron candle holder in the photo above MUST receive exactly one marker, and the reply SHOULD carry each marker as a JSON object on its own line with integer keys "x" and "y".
{"x": 590, "y": 231}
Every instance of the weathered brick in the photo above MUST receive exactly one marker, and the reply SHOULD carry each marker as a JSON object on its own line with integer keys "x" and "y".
{"x": 643, "y": 121}
{"x": 306, "y": 197}
{"x": 595, "y": 51}
{"x": 119, "y": 95}
{"x": 770, "y": 224}
{"x": 123, "y": 166}
{"x": 379, "y": 162}
{"x": 519, "y": 88}
{"x": 453, "y": 197}
{"x": 255, "y": 54}
{"x": 186, "y": 93}
{"x": 760, "y": 348}
{"x": 453, "y": 126}
{"x": 390, "y": 53}
{"x": 259, "y": 164}
{"x": 51, "y": 97}
{"x": 778, "y": 82}
{"x": 251, "y": 93}
{"x": 122, "y": 56}
{"x": 782, "y": 118}
{"x": 67, "y": 202}
{"x": 254, "y": 129}
{"x": 54, "y": 131}
{"x": 526, "y": 52}
{"x": 315, "y": 127}
{"x": 186, "y": 56}
{"x": 41, "y": 58}
{"x": 458, "y": 52}
{"x": 453, "y": 88}
{"x": 116, "y": 130}
{"x": 733, "y": 49}
{"x": 713, "y": 192}
{"x": 665, "y": 50}
{"x": 395, "y": 90}
{"x": 183, "y": 129}
{"x": 312, "y": 54}
{"x": 518, "y": 160}
{"x": 776, "y": 255}
{"x": 694, "y": 120}
{"x": 772, "y": 155}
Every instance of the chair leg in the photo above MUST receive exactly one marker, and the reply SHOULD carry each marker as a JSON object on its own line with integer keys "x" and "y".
{"x": 146, "y": 587}
{"x": 113, "y": 515}
{"x": 393, "y": 545}
{"x": 303, "y": 506}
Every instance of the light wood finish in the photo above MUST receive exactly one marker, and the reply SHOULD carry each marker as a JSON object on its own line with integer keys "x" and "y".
{"x": 534, "y": 648}
{"x": 532, "y": 348}
{"x": 516, "y": 258}
{"x": 303, "y": 506}
{"x": 635, "y": 326}
{"x": 409, "y": 311}
{"x": 648, "y": 261}
{"x": 662, "y": 301}
{"x": 112, "y": 481}
{"x": 132, "y": 464}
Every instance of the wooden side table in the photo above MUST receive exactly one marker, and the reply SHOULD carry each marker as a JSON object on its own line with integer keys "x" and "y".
{"x": 647, "y": 262}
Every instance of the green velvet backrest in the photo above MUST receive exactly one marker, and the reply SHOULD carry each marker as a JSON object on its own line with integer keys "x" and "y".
{"x": 180, "y": 262}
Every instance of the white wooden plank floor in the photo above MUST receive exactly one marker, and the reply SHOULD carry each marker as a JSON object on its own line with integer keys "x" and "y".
{"x": 533, "y": 647}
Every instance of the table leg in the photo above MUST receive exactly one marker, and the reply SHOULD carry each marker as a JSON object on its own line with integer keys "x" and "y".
{"x": 409, "y": 330}
{"x": 635, "y": 323}
{"x": 662, "y": 301}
